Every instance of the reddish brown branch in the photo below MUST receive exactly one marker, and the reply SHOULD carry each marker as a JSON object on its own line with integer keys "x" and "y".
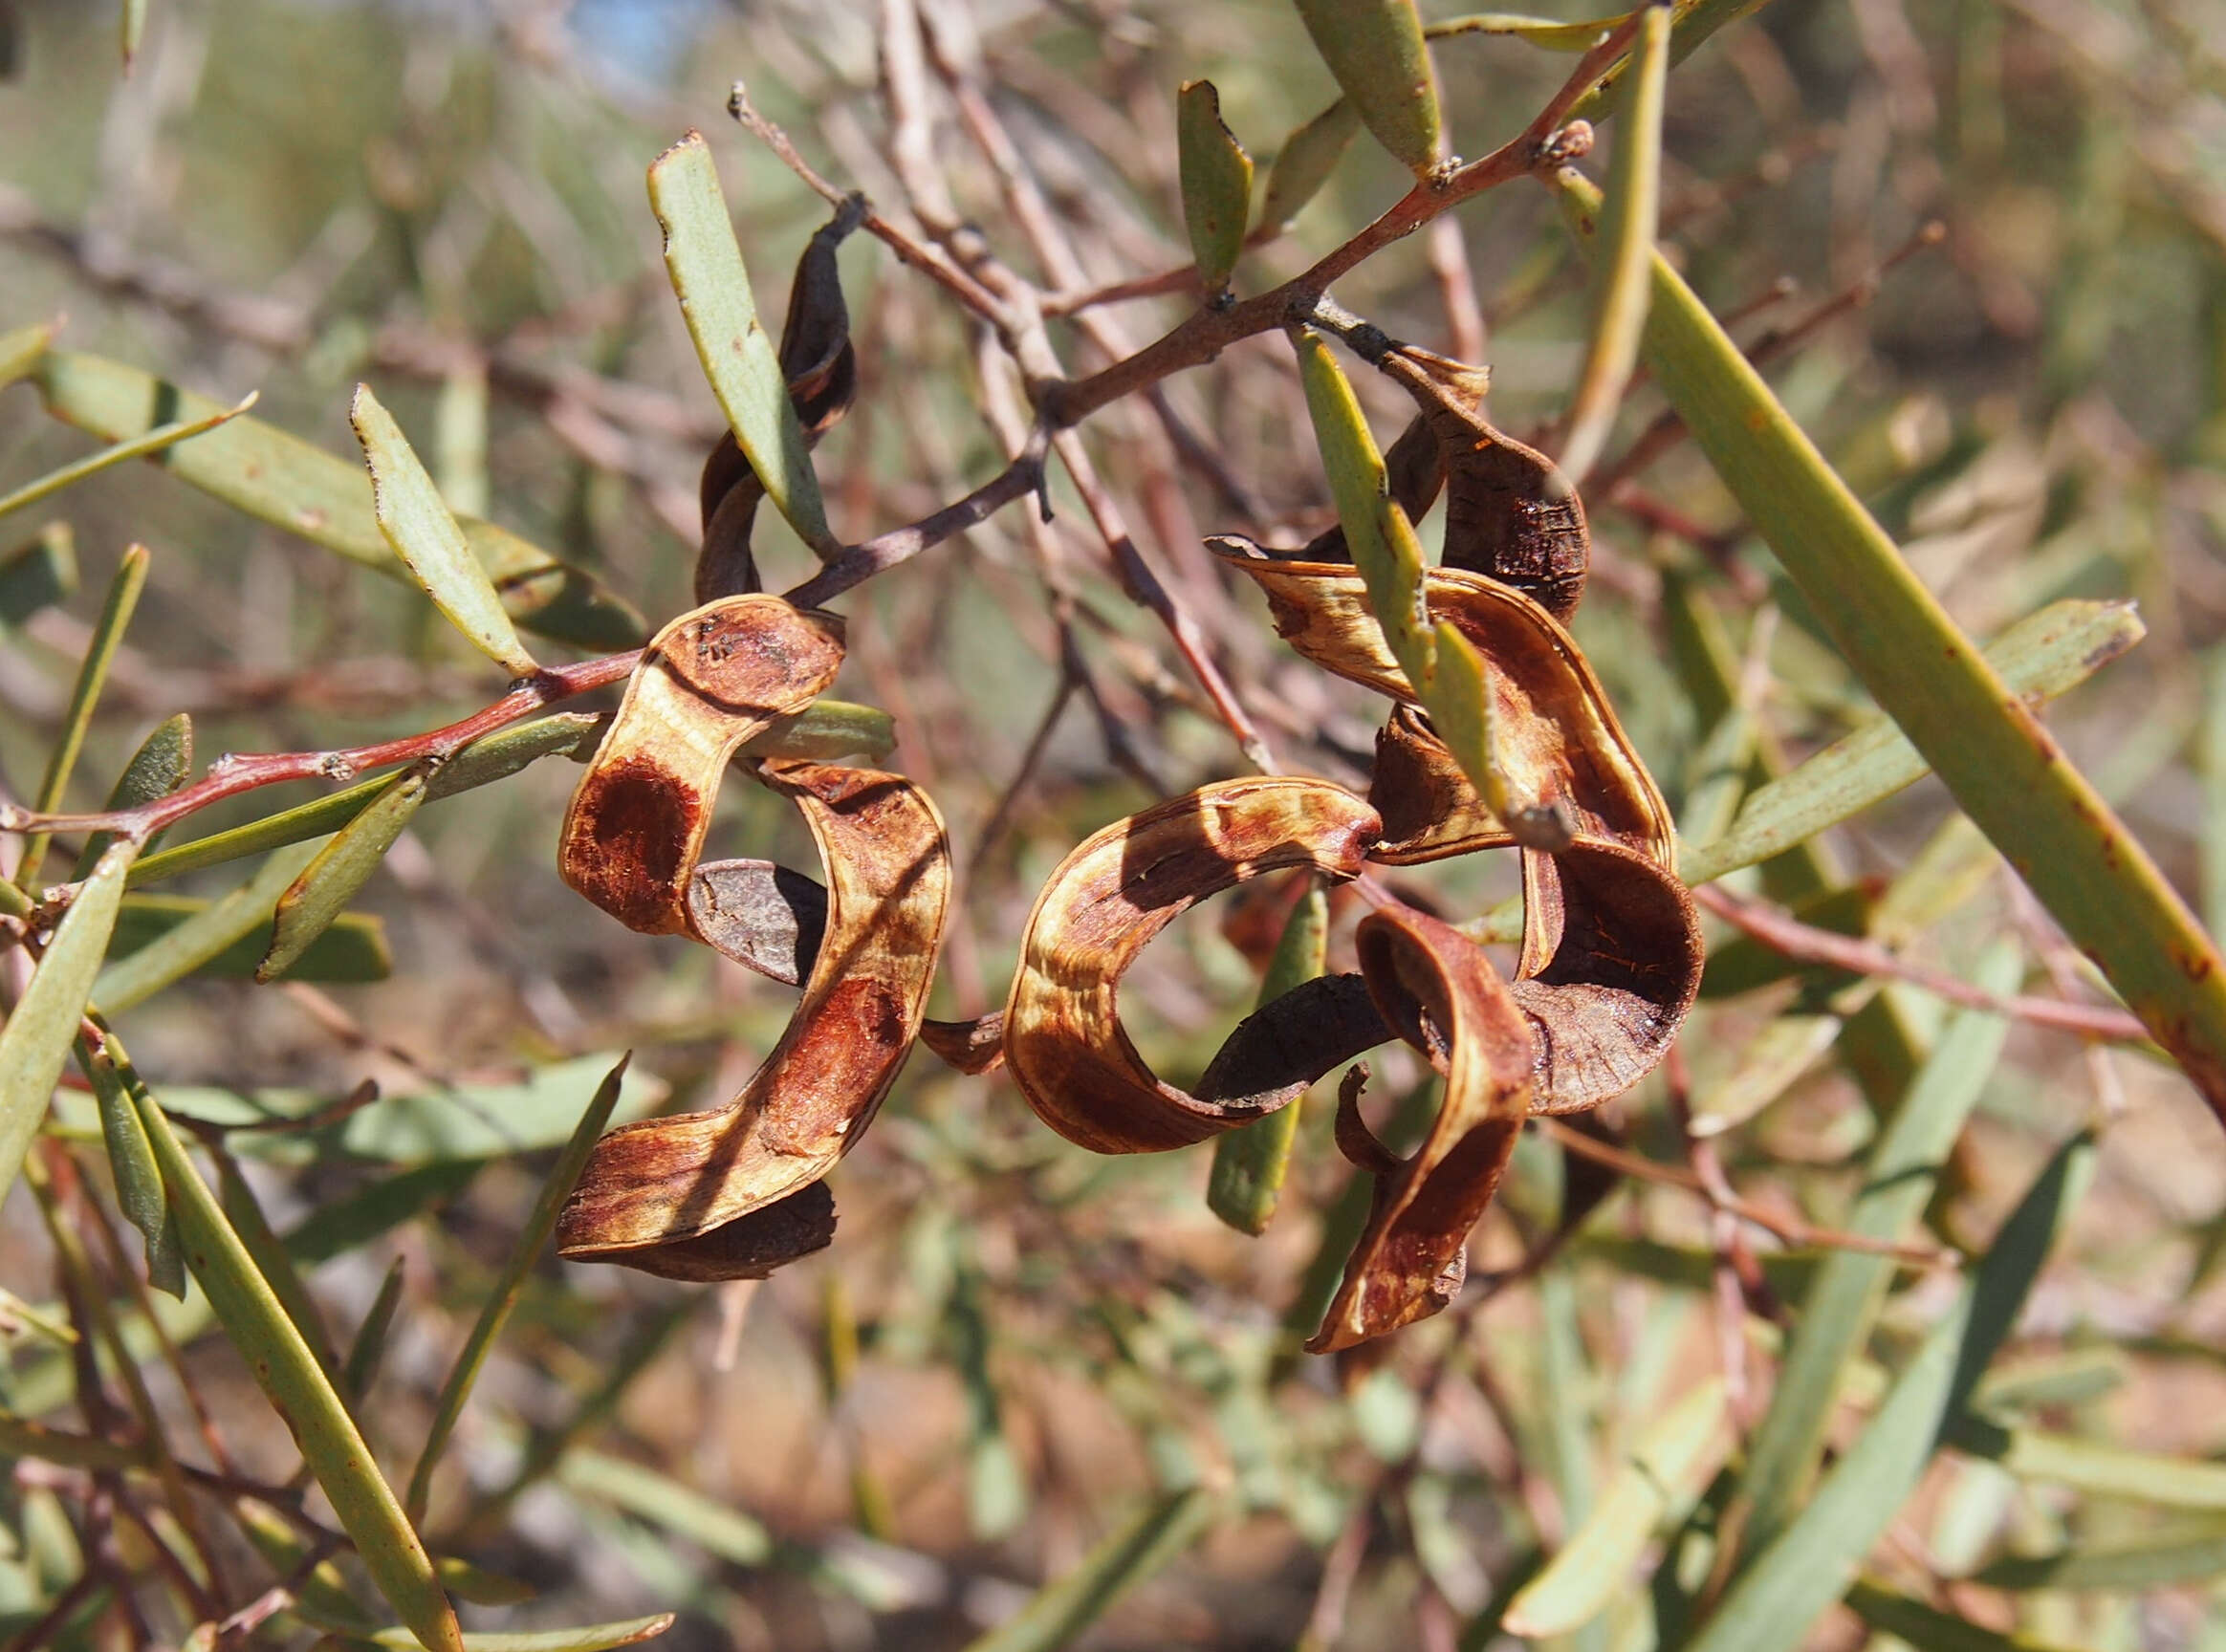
{"x": 1794, "y": 938}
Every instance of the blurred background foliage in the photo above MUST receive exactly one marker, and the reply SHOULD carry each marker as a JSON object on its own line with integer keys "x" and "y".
{"x": 1012, "y": 1345}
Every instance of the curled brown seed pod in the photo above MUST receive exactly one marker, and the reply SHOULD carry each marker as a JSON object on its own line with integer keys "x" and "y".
{"x": 1510, "y": 514}
{"x": 1064, "y": 1045}
{"x": 1556, "y": 733}
{"x": 650, "y": 1186}
{"x": 706, "y": 683}
{"x": 1438, "y": 990}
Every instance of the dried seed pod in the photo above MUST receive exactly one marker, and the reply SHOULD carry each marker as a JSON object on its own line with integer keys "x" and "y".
{"x": 1611, "y": 962}
{"x": 820, "y": 367}
{"x": 1510, "y": 514}
{"x": 1438, "y": 990}
{"x": 1556, "y": 735}
{"x": 706, "y": 683}
{"x": 650, "y": 1186}
{"x": 1063, "y": 1040}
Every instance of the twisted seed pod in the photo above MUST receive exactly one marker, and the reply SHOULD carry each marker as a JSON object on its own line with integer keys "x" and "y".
{"x": 1064, "y": 1045}
{"x": 651, "y": 1186}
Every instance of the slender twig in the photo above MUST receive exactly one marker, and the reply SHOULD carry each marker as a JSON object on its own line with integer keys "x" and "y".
{"x": 1792, "y": 1229}
{"x": 1793, "y": 938}
{"x": 861, "y": 561}
{"x": 235, "y": 773}
{"x": 1542, "y": 146}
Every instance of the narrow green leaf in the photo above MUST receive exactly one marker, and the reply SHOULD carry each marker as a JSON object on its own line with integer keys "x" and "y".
{"x": 1842, "y": 1301}
{"x": 284, "y": 480}
{"x": 1998, "y": 760}
{"x": 43, "y": 1026}
{"x": 493, "y": 1121}
{"x": 138, "y": 1179}
{"x": 289, "y": 1373}
{"x": 704, "y": 262}
{"x": 1459, "y": 699}
{"x": 1620, "y": 272}
{"x": 496, "y": 758}
{"x": 116, "y": 612}
{"x": 821, "y": 732}
{"x": 1375, "y": 49}
{"x": 139, "y": 447}
{"x": 353, "y": 950}
{"x": 361, "y": 1367}
{"x": 271, "y": 1261}
{"x": 481, "y": 1587}
{"x": 1250, "y": 1162}
{"x": 20, "y": 1437}
{"x": 429, "y": 540}
{"x": 2215, "y": 793}
{"x": 1537, "y": 31}
{"x": 1665, "y": 1472}
{"x": 338, "y": 873}
{"x": 22, "y": 349}
{"x": 2094, "y": 1466}
{"x": 826, "y": 730}
{"x": 2041, "y": 657}
{"x": 2193, "y": 1554}
{"x": 344, "y": 1225}
{"x": 1775, "y": 1601}
{"x": 2072, "y": 1377}
{"x": 155, "y": 769}
{"x": 38, "y": 574}
{"x": 1308, "y": 157}
{"x": 589, "y": 1637}
{"x": 204, "y": 936}
{"x": 496, "y": 1311}
{"x": 1216, "y": 177}
{"x": 1696, "y": 21}
{"x": 643, "y": 1491}
{"x": 1124, "y": 1558}
{"x": 1929, "y": 1630}
{"x": 130, "y": 28}
{"x": 1381, "y": 540}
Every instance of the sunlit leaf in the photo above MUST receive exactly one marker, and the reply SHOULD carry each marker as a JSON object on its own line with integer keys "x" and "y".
{"x": 1375, "y": 49}
{"x": 495, "y": 1313}
{"x": 1628, "y": 214}
{"x": 290, "y": 1374}
{"x": 41, "y": 1030}
{"x": 429, "y": 540}
{"x": 1999, "y": 761}
{"x": 704, "y": 262}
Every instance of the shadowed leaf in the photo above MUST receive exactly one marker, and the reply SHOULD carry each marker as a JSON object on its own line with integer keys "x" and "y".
{"x": 1250, "y": 1161}
{"x": 1216, "y": 180}
{"x": 1308, "y": 157}
{"x": 159, "y": 765}
{"x": 1135, "y": 1550}
{"x": 337, "y": 876}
